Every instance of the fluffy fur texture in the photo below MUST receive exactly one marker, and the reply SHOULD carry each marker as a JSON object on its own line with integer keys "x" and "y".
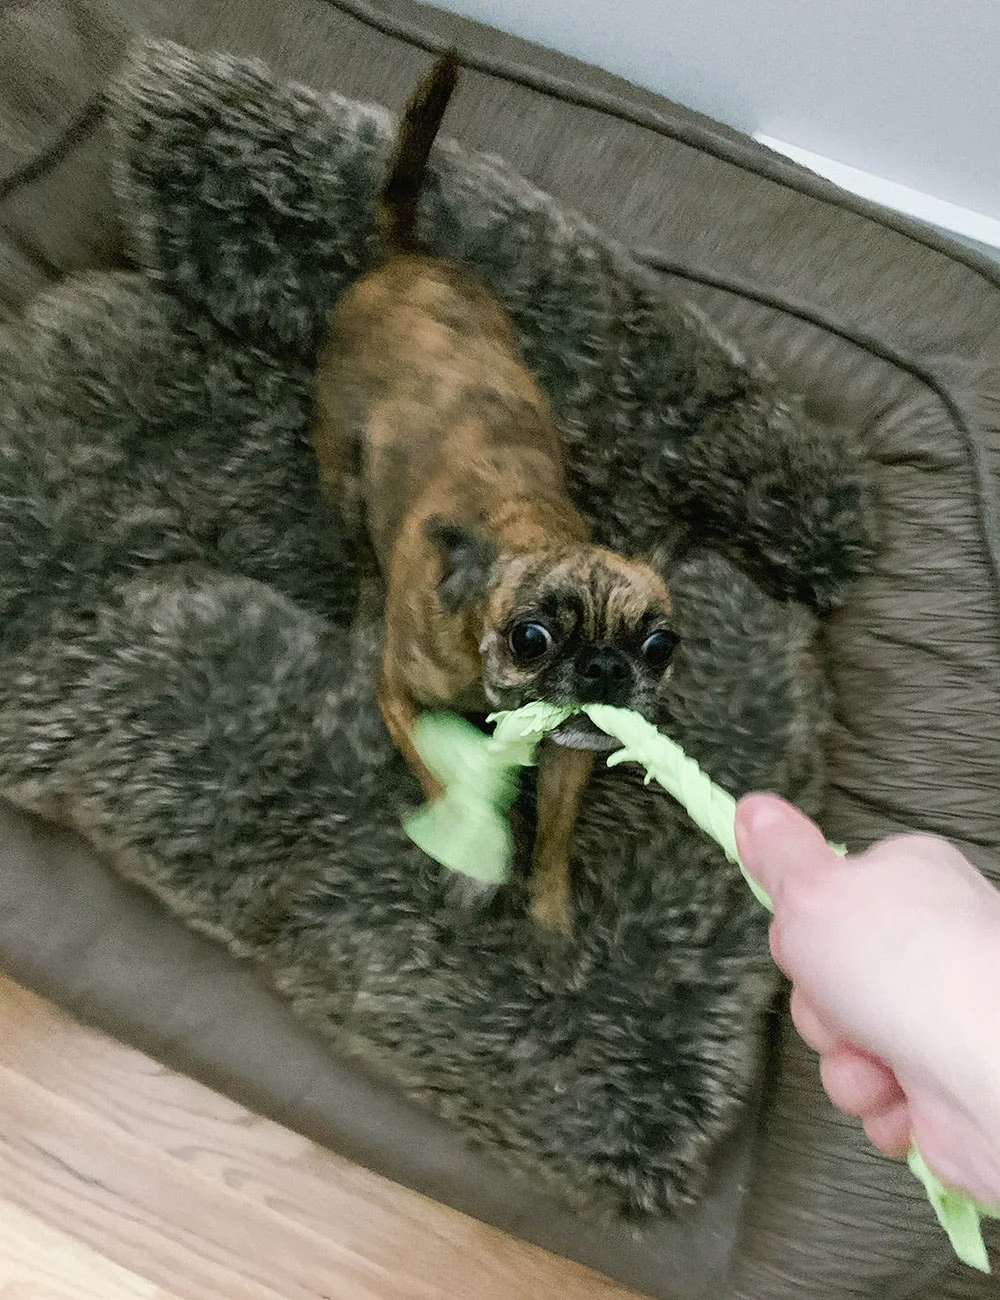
{"x": 178, "y": 681}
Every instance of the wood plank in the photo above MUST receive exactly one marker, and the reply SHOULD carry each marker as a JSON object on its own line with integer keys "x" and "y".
{"x": 131, "y": 1204}
{"x": 37, "y": 1262}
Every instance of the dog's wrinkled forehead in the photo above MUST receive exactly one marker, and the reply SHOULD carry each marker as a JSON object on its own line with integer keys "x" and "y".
{"x": 595, "y": 594}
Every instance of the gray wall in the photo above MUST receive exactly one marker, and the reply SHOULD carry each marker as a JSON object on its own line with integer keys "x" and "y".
{"x": 908, "y": 89}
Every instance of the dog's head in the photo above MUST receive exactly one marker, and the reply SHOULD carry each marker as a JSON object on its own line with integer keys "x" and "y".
{"x": 569, "y": 625}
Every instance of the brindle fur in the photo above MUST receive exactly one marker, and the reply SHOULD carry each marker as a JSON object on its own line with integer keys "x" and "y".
{"x": 429, "y": 424}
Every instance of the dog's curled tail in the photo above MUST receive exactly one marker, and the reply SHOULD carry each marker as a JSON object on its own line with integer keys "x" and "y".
{"x": 396, "y": 217}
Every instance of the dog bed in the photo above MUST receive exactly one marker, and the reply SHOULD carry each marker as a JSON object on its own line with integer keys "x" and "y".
{"x": 182, "y": 688}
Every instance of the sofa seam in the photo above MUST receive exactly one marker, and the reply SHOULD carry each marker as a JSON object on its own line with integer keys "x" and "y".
{"x": 873, "y": 345}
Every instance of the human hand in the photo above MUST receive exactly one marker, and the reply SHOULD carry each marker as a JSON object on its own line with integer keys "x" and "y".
{"x": 894, "y": 958}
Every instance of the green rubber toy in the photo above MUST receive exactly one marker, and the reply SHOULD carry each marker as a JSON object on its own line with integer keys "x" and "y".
{"x": 467, "y": 831}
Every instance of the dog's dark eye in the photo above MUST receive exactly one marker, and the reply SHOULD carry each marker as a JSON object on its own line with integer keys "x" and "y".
{"x": 529, "y": 641}
{"x": 658, "y": 648}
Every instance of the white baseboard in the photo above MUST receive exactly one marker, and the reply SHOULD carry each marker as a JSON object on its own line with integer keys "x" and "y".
{"x": 949, "y": 217}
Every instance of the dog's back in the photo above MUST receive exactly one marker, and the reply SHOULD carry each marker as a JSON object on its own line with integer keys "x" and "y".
{"x": 423, "y": 392}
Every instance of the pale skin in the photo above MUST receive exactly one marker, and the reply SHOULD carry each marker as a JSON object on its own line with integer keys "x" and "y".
{"x": 894, "y": 958}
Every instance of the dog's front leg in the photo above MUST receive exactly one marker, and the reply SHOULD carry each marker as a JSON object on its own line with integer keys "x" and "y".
{"x": 562, "y": 777}
{"x": 399, "y": 711}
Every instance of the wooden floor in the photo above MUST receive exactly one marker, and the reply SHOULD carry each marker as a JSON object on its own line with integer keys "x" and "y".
{"x": 121, "y": 1180}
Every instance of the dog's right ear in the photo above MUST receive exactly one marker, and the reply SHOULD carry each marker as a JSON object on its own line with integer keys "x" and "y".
{"x": 466, "y": 563}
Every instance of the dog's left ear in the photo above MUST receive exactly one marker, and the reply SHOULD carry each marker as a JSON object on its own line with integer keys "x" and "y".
{"x": 466, "y": 563}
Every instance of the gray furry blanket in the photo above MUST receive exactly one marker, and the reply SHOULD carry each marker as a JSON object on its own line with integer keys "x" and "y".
{"x": 180, "y": 683}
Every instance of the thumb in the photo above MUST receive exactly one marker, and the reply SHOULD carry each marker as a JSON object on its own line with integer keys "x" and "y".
{"x": 777, "y": 843}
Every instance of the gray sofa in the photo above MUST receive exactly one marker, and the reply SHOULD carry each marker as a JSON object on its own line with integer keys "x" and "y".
{"x": 884, "y": 327}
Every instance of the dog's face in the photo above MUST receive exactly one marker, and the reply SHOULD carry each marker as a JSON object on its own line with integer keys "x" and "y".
{"x": 574, "y": 625}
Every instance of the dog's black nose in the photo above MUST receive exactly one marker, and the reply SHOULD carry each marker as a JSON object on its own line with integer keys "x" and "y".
{"x": 604, "y": 675}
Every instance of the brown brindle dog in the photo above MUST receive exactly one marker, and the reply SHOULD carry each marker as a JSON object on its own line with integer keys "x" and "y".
{"x": 428, "y": 420}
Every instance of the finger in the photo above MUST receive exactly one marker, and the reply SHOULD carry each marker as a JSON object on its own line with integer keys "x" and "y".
{"x": 776, "y": 842}
{"x": 946, "y": 1149}
{"x": 811, "y": 1026}
{"x": 860, "y": 1085}
{"x": 890, "y": 1131}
